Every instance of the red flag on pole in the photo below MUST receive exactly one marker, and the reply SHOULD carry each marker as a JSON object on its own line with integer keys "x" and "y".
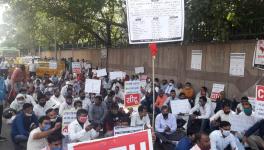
{"x": 153, "y": 49}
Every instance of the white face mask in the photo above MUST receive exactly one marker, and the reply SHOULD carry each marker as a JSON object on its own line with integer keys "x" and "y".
{"x": 226, "y": 133}
{"x": 53, "y": 120}
{"x": 29, "y": 115}
{"x": 21, "y": 102}
{"x": 170, "y": 83}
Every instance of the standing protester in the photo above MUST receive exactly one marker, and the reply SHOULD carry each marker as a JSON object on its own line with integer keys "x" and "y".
{"x": 32, "y": 68}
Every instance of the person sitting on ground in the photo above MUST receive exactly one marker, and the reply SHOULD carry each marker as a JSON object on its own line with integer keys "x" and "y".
{"x": 54, "y": 142}
{"x": 77, "y": 105}
{"x": 187, "y": 142}
{"x": 109, "y": 99}
{"x": 67, "y": 105}
{"x": 188, "y": 90}
{"x": 160, "y": 99}
{"x": 37, "y": 137}
{"x": 170, "y": 87}
{"x": 218, "y": 104}
{"x": 81, "y": 129}
{"x": 202, "y": 142}
{"x": 141, "y": 118}
{"x": 54, "y": 118}
{"x": 203, "y": 92}
{"x": 57, "y": 97}
{"x": 171, "y": 98}
{"x": 41, "y": 108}
{"x": 22, "y": 125}
{"x": 98, "y": 111}
{"x": 18, "y": 103}
{"x": 239, "y": 107}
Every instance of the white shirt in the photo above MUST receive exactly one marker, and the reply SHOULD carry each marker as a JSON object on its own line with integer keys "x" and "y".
{"x": 59, "y": 99}
{"x": 64, "y": 107}
{"x": 31, "y": 99}
{"x": 36, "y": 144}
{"x": 136, "y": 121}
{"x": 218, "y": 142}
{"x": 169, "y": 99}
{"x": 195, "y": 147}
{"x": 32, "y": 67}
{"x": 77, "y": 133}
{"x": 18, "y": 106}
{"x": 206, "y": 111}
{"x": 40, "y": 111}
{"x": 220, "y": 114}
{"x": 161, "y": 123}
{"x": 53, "y": 104}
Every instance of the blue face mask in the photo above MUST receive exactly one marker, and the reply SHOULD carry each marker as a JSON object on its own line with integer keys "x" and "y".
{"x": 56, "y": 148}
{"x": 248, "y": 111}
{"x": 46, "y": 127}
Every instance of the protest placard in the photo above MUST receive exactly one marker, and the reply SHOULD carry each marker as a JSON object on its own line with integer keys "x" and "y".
{"x": 124, "y": 130}
{"x": 132, "y": 87}
{"x": 117, "y": 75}
{"x": 237, "y": 64}
{"x": 141, "y": 140}
{"x": 67, "y": 117}
{"x": 53, "y": 65}
{"x": 101, "y": 73}
{"x": 196, "y": 61}
{"x": 180, "y": 106}
{"x": 217, "y": 88}
{"x": 92, "y": 86}
{"x": 76, "y": 67}
{"x": 139, "y": 70}
{"x": 259, "y": 108}
{"x": 241, "y": 123}
{"x": 132, "y": 93}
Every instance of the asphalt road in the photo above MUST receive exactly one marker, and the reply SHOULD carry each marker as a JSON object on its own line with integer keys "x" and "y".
{"x": 6, "y": 130}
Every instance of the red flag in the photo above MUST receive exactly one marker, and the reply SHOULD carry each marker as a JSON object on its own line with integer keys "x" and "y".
{"x": 153, "y": 49}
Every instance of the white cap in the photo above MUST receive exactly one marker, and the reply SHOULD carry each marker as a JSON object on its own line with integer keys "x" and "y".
{"x": 20, "y": 96}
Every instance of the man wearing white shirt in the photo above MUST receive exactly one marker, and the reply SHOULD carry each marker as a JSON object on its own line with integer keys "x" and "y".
{"x": 41, "y": 108}
{"x": 57, "y": 97}
{"x": 51, "y": 103}
{"x": 32, "y": 68}
{"x": 202, "y": 142}
{"x": 202, "y": 92}
{"x": 81, "y": 130}
{"x": 69, "y": 84}
{"x": 141, "y": 118}
{"x": 205, "y": 110}
{"x": 119, "y": 95}
{"x": 221, "y": 139}
{"x": 165, "y": 127}
{"x": 171, "y": 98}
{"x": 170, "y": 87}
{"x": 67, "y": 105}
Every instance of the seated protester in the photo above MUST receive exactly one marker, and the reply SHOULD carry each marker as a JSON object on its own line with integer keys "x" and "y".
{"x": 54, "y": 118}
{"x": 222, "y": 138}
{"x": 223, "y": 114}
{"x": 204, "y": 109}
{"x": 172, "y": 97}
{"x": 51, "y": 103}
{"x": 119, "y": 95}
{"x": 112, "y": 119}
{"x": 247, "y": 110}
{"x": 28, "y": 98}
{"x": 182, "y": 96}
{"x": 148, "y": 100}
{"x": 63, "y": 92}
{"x": 203, "y": 92}
{"x": 239, "y": 107}
{"x": 77, "y": 105}
{"x": 109, "y": 99}
{"x": 81, "y": 129}
{"x": 218, "y": 104}
{"x": 37, "y": 137}
{"x": 188, "y": 90}
{"x": 41, "y": 108}
{"x": 67, "y": 105}
{"x": 98, "y": 111}
{"x": 165, "y": 127}
{"x": 161, "y": 98}
{"x": 187, "y": 142}
{"x": 18, "y": 103}
{"x": 141, "y": 118}
{"x": 22, "y": 125}
{"x": 54, "y": 142}
{"x": 57, "y": 97}
{"x": 164, "y": 85}
{"x": 170, "y": 87}
{"x": 202, "y": 142}
{"x": 255, "y": 141}
{"x": 86, "y": 102}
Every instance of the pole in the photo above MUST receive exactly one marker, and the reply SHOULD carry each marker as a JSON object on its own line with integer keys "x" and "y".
{"x": 39, "y": 50}
{"x": 55, "y": 39}
{"x": 153, "y": 91}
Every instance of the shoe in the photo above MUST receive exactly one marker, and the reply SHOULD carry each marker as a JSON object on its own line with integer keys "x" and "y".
{"x": 2, "y": 139}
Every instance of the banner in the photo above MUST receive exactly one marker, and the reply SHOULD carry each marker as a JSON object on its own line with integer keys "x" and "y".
{"x": 101, "y": 73}
{"x": 67, "y": 117}
{"x": 155, "y": 21}
{"x": 92, "y": 86}
{"x": 237, "y": 64}
{"x": 76, "y": 67}
{"x": 125, "y": 130}
{"x": 197, "y": 57}
{"x": 180, "y": 106}
{"x": 241, "y": 123}
{"x": 132, "y": 93}
{"x": 139, "y": 70}
{"x": 259, "y": 105}
{"x": 53, "y": 65}
{"x": 141, "y": 140}
{"x": 217, "y": 88}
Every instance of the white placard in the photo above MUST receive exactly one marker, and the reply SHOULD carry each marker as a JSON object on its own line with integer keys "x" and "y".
{"x": 155, "y": 21}
{"x": 76, "y": 67}
{"x": 241, "y": 123}
{"x": 67, "y": 117}
{"x": 139, "y": 70}
{"x": 217, "y": 88}
{"x": 53, "y": 65}
{"x": 132, "y": 87}
{"x": 180, "y": 106}
{"x": 92, "y": 86}
{"x": 101, "y": 73}
{"x": 259, "y": 53}
{"x": 196, "y": 62}
{"x": 237, "y": 64}
{"x": 125, "y": 130}
{"x": 117, "y": 75}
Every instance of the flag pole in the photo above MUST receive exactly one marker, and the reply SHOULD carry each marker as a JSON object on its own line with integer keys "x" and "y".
{"x": 153, "y": 91}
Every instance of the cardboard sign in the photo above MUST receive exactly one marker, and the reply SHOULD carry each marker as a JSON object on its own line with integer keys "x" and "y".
{"x": 241, "y": 123}
{"x": 53, "y": 65}
{"x": 132, "y": 93}
{"x": 132, "y": 87}
{"x": 139, "y": 70}
{"x": 76, "y": 67}
{"x": 217, "y": 88}
{"x": 92, "y": 86}
{"x": 67, "y": 117}
{"x": 141, "y": 140}
{"x": 259, "y": 101}
{"x": 117, "y": 75}
{"x": 132, "y": 100}
{"x": 125, "y": 130}
{"x": 180, "y": 106}
{"x": 101, "y": 73}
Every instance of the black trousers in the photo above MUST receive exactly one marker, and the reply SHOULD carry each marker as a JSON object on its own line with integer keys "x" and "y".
{"x": 1, "y": 115}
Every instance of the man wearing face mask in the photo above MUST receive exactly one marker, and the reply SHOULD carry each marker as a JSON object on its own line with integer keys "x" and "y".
{"x": 54, "y": 142}
{"x": 22, "y": 125}
{"x": 27, "y": 96}
{"x": 247, "y": 110}
{"x": 18, "y": 103}
{"x": 81, "y": 129}
{"x": 77, "y": 105}
{"x": 37, "y": 138}
{"x": 222, "y": 138}
{"x": 54, "y": 118}
{"x": 57, "y": 97}
{"x": 41, "y": 108}
{"x": 67, "y": 105}
{"x": 165, "y": 126}
{"x": 170, "y": 87}
{"x": 51, "y": 103}
{"x": 86, "y": 102}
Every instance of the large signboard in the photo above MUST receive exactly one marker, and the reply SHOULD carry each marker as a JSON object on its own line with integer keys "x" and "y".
{"x": 155, "y": 21}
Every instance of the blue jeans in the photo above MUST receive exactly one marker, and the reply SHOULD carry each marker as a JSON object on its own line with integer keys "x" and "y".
{"x": 20, "y": 142}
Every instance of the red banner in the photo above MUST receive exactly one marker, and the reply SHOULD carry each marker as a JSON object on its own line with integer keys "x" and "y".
{"x": 141, "y": 140}
{"x": 132, "y": 100}
{"x": 260, "y": 93}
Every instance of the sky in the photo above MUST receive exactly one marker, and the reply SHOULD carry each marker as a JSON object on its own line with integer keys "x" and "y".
{"x": 2, "y": 10}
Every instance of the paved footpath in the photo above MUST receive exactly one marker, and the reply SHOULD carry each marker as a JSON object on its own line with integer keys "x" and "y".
{"x": 6, "y": 130}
